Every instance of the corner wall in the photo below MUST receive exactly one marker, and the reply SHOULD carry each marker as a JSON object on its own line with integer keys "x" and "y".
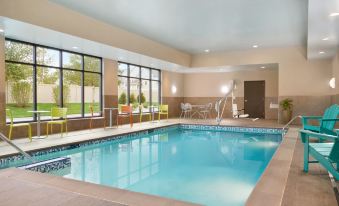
{"x": 203, "y": 88}
{"x": 169, "y": 80}
{"x": 335, "y": 71}
{"x": 304, "y": 81}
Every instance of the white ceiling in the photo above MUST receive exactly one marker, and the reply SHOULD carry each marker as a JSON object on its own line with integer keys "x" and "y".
{"x": 196, "y": 25}
{"x": 323, "y": 29}
{"x": 35, "y": 34}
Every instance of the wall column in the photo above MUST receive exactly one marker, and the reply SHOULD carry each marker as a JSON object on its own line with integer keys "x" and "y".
{"x": 110, "y": 87}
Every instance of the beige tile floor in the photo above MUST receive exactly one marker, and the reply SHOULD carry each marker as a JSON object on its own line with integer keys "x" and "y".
{"x": 20, "y": 187}
{"x": 307, "y": 189}
{"x": 297, "y": 186}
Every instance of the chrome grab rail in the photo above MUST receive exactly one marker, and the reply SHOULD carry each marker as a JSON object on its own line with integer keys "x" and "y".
{"x": 4, "y": 138}
{"x": 217, "y": 108}
{"x": 289, "y": 123}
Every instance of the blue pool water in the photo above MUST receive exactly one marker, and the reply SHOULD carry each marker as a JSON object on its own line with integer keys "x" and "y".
{"x": 206, "y": 167}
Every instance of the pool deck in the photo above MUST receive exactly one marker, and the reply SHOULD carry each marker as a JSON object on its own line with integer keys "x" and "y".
{"x": 283, "y": 182}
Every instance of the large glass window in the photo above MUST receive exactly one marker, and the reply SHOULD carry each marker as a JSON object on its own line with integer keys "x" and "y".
{"x": 72, "y": 92}
{"x": 39, "y": 78}
{"x": 48, "y": 87}
{"x": 138, "y": 85}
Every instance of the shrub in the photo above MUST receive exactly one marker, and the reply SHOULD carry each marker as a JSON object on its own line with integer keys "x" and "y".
{"x": 142, "y": 98}
{"x": 122, "y": 98}
{"x": 132, "y": 99}
{"x": 286, "y": 104}
{"x": 21, "y": 93}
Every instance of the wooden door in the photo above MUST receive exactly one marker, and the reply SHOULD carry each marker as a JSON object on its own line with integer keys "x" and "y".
{"x": 254, "y": 105}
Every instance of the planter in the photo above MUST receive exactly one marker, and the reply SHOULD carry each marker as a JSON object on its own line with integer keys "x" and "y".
{"x": 286, "y": 116}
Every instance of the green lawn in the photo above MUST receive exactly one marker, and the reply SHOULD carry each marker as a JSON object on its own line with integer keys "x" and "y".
{"x": 73, "y": 108}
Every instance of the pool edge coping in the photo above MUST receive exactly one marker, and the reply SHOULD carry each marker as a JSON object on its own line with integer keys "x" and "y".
{"x": 270, "y": 188}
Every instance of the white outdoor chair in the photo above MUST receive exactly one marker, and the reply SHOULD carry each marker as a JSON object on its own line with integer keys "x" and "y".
{"x": 237, "y": 113}
{"x": 183, "y": 110}
{"x": 207, "y": 111}
{"x": 188, "y": 109}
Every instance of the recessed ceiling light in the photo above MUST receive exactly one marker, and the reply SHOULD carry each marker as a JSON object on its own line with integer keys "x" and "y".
{"x": 321, "y": 52}
{"x": 326, "y": 38}
{"x": 263, "y": 67}
{"x": 207, "y": 50}
{"x": 2, "y": 30}
{"x": 255, "y": 46}
{"x": 75, "y": 47}
{"x": 334, "y": 14}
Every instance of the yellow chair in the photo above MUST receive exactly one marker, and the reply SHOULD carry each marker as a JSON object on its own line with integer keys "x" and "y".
{"x": 58, "y": 117}
{"x": 163, "y": 109}
{"x": 91, "y": 110}
{"x": 141, "y": 107}
{"x": 12, "y": 125}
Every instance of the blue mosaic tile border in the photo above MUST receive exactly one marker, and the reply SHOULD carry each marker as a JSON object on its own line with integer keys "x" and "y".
{"x": 232, "y": 129}
{"x": 20, "y": 158}
{"x": 50, "y": 165}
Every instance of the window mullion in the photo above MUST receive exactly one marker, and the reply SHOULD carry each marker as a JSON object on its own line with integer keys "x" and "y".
{"x": 61, "y": 81}
{"x": 35, "y": 90}
{"x": 83, "y": 87}
{"x": 128, "y": 85}
{"x": 140, "y": 84}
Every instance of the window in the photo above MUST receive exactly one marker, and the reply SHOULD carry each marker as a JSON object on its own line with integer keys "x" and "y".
{"x": 138, "y": 85}
{"x": 40, "y": 77}
{"x": 48, "y": 89}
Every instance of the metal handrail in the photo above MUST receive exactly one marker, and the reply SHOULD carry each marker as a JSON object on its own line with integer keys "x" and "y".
{"x": 4, "y": 138}
{"x": 218, "y": 103}
{"x": 289, "y": 123}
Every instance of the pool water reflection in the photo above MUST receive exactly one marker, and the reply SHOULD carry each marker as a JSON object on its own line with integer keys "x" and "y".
{"x": 206, "y": 167}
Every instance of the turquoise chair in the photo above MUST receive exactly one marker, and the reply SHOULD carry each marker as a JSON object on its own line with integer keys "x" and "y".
{"x": 326, "y": 122}
{"x": 324, "y": 153}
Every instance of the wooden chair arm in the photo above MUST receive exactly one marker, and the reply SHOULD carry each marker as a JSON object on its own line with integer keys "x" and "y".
{"x": 307, "y": 134}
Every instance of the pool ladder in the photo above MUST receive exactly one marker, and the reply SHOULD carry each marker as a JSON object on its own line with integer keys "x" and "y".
{"x": 290, "y": 122}
{"x": 4, "y": 138}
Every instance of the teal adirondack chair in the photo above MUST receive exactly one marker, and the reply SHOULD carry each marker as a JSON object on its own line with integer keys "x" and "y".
{"x": 324, "y": 153}
{"x": 326, "y": 122}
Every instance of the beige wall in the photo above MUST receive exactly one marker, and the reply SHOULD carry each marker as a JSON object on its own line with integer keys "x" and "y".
{"x": 170, "y": 79}
{"x": 53, "y": 16}
{"x": 209, "y": 84}
{"x": 335, "y": 71}
{"x": 297, "y": 75}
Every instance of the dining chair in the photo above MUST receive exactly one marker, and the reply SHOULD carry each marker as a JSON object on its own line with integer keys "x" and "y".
{"x": 12, "y": 125}
{"x": 207, "y": 111}
{"x": 91, "y": 110}
{"x": 163, "y": 110}
{"x": 58, "y": 117}
{"x": 141, "y": 109}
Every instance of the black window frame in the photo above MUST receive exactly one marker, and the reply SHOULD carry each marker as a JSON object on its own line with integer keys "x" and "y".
{"x": 61, "y": 69}
{"x": 140, "y": 78}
